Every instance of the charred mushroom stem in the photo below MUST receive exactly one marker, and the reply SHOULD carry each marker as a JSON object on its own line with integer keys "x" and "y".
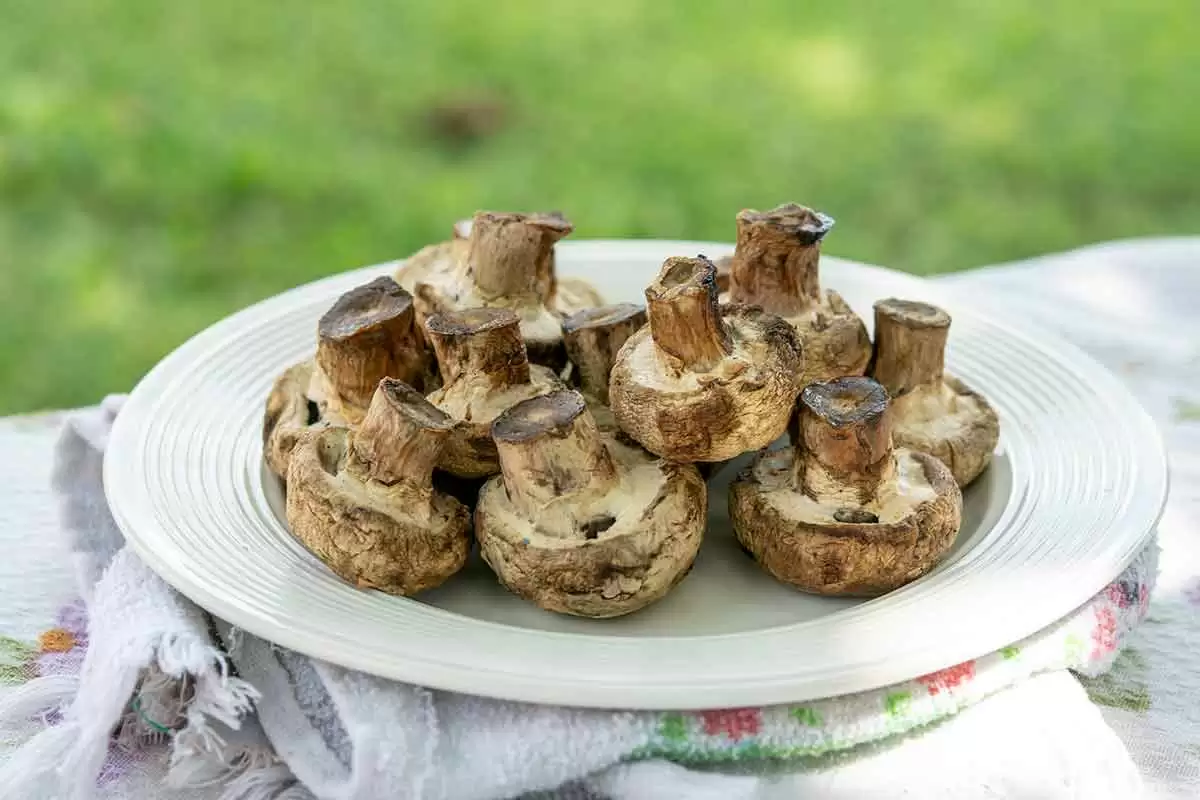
{"x": 701, "y": 383}
{"x": 910, "y": 345}
{"x": 579, "y": 523}
{"x": 842, "y": 512}
{"x": 775, "y": 263}
{"x": 551, "y": 454}
{"x": 368, "y": 335}
{"x": 682, "y": 307}
{"x": 935, "y": 413}
{"x": 509, "y": 255}
{"x": 400, "y": 440}
{"x": 484, "y": 370}
{"x": 846, "y": 442}
{"x": 482, "y": 344}
{"x": 363, "y": 501}
{"x": 775, "y": 266}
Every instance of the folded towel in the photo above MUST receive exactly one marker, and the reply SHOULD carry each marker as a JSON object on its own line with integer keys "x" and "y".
{"x": 154, "y": 669}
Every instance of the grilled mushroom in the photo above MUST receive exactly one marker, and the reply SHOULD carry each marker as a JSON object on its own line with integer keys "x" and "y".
{"x": 366, "y": 335}
{"x": 501, "y": 260}
{"x": 775, "y": 265}
{"x": 291, "y": 410}
{"x": 363, "y": 500}
{"x": 934, "y": 412}
{"x": 484, "y": 371}
{"x": 701, "y": 383}
{"x": 593, "y": 338}
{"x": 843, "y": 512}
{"x": 369, "y": 334}
{"x": 579, "y": 523}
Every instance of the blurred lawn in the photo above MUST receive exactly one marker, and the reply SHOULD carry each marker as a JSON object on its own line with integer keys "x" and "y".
{"x": 163, "y": 164}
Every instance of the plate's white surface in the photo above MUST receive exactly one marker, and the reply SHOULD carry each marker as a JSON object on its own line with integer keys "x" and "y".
{"x": 1076, "y": 488}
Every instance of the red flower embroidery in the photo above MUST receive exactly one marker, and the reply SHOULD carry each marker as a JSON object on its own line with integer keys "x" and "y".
{"x": 1117, "y": 595}
{"x": 733, "y": 722}
{"x": 1104, "y": 635}
{"x": 948, "y": 678}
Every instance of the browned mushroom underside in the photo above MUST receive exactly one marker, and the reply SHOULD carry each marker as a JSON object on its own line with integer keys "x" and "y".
{"x": 469, "y": 451}
{"x": 950, "y": 422}
{"x": 635, "y": 559}
{"x": 291, "y": 410}
{"x": 742, "y": 404}
{"x": 828, "y": 557}
{"x": 366, "y": 534}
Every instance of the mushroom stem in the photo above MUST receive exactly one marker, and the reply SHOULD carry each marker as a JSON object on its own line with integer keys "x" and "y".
{"x": 400, "y": 439}
{"x": 550, "y": 448}
{"x": 845, "y": 449}
{"x": 593, "y": 337}
{"x": 484, "y": 342}
{"x": 366, "y": 336}
{"x": 510, "y": 255}
{"x": 775, "y": 263}
{"x": 682, "y": 308}
{"x": 910, "y": 345}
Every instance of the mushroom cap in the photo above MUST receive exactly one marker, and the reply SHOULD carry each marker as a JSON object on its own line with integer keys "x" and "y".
{"x": 575, "y": 294}
{"x": 834, "y": 338}
{"x": 743, "y": 403}
{"x": 291, "y": 410}
{"x": 430, "y": 263}
{"x": 801, "y": 541}
{"x": 647, "y": 533}
{"x": 469, "y": 451}
{"x": 951, "y": 422}
{"x": 368, "y": 533}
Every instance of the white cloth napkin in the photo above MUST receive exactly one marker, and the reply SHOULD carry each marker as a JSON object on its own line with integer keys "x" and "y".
{"x": 340, "y": 734}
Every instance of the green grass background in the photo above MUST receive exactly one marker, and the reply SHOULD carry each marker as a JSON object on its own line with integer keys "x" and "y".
{"x": 163, "y": 164}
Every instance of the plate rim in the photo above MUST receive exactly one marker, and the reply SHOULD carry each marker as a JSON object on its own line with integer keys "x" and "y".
{"x": 140, "y": 406}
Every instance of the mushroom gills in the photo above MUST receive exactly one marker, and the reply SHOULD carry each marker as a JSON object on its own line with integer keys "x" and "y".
{"x": 702, "y": 382}
{"x": 363, "y": 500}
{"x": 843, "y": 511}
{"x": 580, "y": 523}
{"x": 912, "y": 488}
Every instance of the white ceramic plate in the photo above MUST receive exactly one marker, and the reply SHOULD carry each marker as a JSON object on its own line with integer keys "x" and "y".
{"x": 1074, "y": 492}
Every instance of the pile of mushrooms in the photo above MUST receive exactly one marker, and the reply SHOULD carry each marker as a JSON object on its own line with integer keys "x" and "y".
{"x": 475, "y": 386}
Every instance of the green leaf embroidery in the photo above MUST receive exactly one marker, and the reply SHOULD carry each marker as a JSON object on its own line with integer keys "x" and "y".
{"x": 673, "y": 728}
{"x": 16, "y": 650}
{"x": 807, "y": 716}
{"x": 12, "y": 674}
{"x": 897, "y": 704}
{"x": 1124, "y": 686}
{"x": 1010, "y": 652}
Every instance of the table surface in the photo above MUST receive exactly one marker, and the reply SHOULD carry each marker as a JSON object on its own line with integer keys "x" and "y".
{"x": 1133, "y": 305}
